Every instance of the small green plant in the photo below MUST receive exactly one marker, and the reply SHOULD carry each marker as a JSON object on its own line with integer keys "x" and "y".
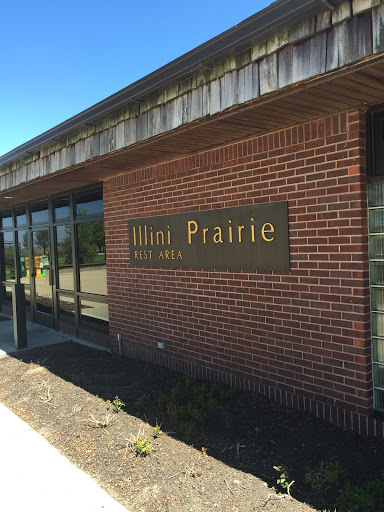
{"x": 117, "y": 404}
{"x": 190, "y": 403}
{"x": 142, "y": 447}
{"x": 325, "y": 475}
{"x": 139, "y": 402}
{"x": 376, "y": 488}
{"x": 191, "y": 411}
{"x": 254, "y": 433}
{"x": 284, "y": 480}
{"x": 366, "y": 498}
{"x": 227, "y": 395}
{"x": 190, "y": 381}
{"x": 157, "y": 431}
{"x": 189, "y": 430}
{"x": 162, "y": 402}
{"x": 140, "y": 444}
{"x": 354, "y": 499}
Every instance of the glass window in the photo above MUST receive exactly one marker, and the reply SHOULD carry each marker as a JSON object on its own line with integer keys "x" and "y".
{"x": 377, "y": 324}
{"x": 6, "y": 220}
{"x": 378, "y": 147}
{"x": 23, "y": 256}
{"x": 21, "y": 218}
{"x": 27, "y": 298}
{"x": 7, "y": 293}
{"x": 377, "y": 273}
{"x": 376, "y": 220}
{"x": 376, "y": 246}
{"x": 64, "y": 257}
{"x": 66, "y": 307}
{"x": 95, "y": 313}
{"x": 40, "y": 213}
{"x": 377, "y": 299}
{"x": 376, "y": 254}
{"x": 89, "y": 203}
{"x": 7, "y": 255}
{"x": 42, "y": 271}
{"x": 379, "y": 399}
{"x": 378, "y": 350}
{"x": 92, "y": 261}
{"x": 81, "y": 279}
{"x": 61, "y": 208}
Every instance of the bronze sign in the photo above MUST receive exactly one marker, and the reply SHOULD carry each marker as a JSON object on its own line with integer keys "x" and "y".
{"x": 243, "y": 238}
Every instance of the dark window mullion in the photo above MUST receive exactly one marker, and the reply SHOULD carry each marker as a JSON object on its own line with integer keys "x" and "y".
{"x": 53, "y": 263}
{"x": 75, "y": 261}
{"x": 103, "y": 299}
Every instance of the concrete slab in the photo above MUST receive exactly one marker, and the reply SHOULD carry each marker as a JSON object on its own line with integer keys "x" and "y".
{"x": 35, "y": 477}
{"x": 37, "y": 336}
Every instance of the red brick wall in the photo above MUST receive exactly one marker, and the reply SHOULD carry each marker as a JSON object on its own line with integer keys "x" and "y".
{"x": 300, "y": 337}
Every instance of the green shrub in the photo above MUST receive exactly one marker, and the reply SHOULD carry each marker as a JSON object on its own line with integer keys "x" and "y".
{"x": 354, "y": 499}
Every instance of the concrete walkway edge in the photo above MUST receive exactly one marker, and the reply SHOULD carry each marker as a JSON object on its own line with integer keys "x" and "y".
{"x": 35, "y": 477}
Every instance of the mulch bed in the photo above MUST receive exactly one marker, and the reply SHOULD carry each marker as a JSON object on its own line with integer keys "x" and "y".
{"x": 217, "y": 449}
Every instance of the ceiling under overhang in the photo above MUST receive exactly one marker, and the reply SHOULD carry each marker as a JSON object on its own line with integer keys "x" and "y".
{"x": 357, "y": 86}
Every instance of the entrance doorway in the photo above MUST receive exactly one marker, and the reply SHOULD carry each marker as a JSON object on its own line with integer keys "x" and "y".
{"x": 56, "y": 248}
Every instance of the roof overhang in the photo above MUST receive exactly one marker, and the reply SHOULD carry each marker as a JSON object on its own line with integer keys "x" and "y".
{"x": 358, "y": 86}
{"x": 270, "y": 21}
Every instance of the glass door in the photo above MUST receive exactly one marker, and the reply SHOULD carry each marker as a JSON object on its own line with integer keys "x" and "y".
{"x": 41, "y": 273}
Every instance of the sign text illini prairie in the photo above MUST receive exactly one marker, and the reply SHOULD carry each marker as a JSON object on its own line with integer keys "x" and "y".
{"x": 251, "y": 237}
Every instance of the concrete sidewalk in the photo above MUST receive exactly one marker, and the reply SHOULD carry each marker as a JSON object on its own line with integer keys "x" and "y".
{"x": 37, "y": 336}
{"x": 34, "y": 476}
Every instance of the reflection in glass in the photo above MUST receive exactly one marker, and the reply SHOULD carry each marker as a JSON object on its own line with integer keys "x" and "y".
{"x": 89, "y": 203}
{"x": 92, "y": 261}
{"x": 61, "y": 208}
{"x": 66, "y": 307}
{"x": 93, "y": 312}
{"x": 21, "y": 219}
{"x": 27, "y": 298}
{"x": 7, "y": 257}
{"x": 42, "y": 271}
{"x": 8, "y": 293}
{"x": 40, "y": 214}
{"x": 6, "y": 222}
{"x": 64, "y": 257}
{"x": 23, "y": 256}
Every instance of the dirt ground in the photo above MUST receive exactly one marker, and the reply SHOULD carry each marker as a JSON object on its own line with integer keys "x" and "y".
{"x": 169, "y": 443}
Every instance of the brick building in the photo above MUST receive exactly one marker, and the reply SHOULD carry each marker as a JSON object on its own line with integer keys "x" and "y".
{"x": 231, "y": 205}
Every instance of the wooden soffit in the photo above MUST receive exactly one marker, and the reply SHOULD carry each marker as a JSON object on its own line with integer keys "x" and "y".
{"x": 357, "y": 86}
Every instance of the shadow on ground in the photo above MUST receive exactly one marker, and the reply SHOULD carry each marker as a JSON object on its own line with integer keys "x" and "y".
{"x": 244, "y": 430}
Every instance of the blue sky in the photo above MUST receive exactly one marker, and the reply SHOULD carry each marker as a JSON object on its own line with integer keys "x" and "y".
{"x": 58, "y": 59}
